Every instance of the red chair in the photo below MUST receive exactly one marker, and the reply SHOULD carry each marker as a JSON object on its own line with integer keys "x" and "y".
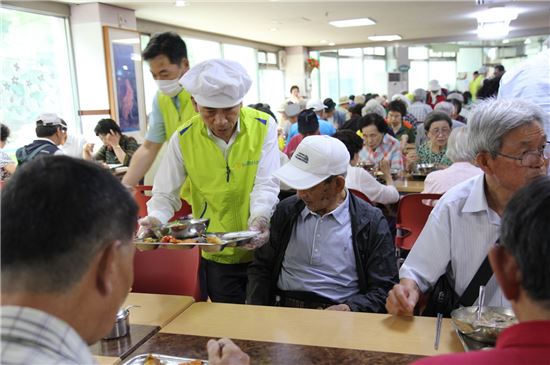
{"x": 360, "y": 195}
{"x": 141, "y": 195}
{"x": 164, "y": 271}
{"x": 412, "y": 213}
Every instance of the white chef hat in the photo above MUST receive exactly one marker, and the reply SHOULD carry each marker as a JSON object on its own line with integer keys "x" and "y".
{"x": 217, "y": 83}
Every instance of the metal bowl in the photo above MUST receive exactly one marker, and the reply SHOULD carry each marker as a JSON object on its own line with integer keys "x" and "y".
{"x": 425, "y": 168}
{"x": 188, "y": 228}
{"x": 122, "y": 325}
{"x": 493, "y": 321}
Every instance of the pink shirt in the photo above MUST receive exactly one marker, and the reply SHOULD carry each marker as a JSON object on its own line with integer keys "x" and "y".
{"x": 293, "y": 144}
{"x": 440, "y": 181}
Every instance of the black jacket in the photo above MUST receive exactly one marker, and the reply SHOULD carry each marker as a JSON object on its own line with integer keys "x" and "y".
{"x": 372, "y": 245}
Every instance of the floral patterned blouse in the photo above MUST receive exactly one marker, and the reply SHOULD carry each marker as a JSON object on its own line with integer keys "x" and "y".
{"x": 426, "y": 155}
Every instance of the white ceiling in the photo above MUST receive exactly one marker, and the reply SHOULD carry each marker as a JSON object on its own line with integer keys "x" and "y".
{"x": 306, "y": 22}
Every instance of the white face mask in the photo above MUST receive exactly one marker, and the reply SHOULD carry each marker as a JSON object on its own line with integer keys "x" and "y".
{"x": 170, "y": 88}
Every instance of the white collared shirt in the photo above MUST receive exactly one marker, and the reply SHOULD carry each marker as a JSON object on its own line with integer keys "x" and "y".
{"x": 440, "y": 181}
{"x": 172, "y": 174}
{"x": 359, "y": 179}
{"x": 460, "y": 230}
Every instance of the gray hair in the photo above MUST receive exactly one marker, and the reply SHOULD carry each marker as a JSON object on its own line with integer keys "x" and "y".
{"x": 457, "y": 146}
{"x": 373, "y": 106}
{"x": 420, "y": 95}
{"x": 492, "y": 118}
{"x": 445, "y": 107}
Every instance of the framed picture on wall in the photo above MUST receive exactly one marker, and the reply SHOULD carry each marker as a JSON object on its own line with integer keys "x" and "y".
{"x": 125, "y": 79}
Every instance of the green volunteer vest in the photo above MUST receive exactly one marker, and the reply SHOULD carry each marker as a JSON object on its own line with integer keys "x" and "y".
{"x": 174, "y": 118}
{"x": 220, "y": 189}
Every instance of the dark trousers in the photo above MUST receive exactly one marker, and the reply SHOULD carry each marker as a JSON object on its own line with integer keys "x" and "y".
{"x": 223, "y": 283}
{"x": 300, "y": 299}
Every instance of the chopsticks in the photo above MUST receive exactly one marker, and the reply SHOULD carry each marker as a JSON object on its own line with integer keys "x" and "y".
{"x": 438, "y": 330}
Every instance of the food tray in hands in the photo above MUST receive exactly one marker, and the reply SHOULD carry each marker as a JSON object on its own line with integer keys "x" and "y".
{"x": 157, "y": 359}
{"x": 211, "y": 242}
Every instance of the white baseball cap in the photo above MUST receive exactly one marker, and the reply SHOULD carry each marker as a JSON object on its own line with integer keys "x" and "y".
{"x": 316, "y": 105}
{"x": 49, "y": 119}
{"x": 217, "y": 83}
{"x": 315, "y": 159}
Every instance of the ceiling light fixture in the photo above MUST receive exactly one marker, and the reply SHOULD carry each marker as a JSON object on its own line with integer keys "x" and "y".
{"x": 495, "y": 22}
{"x": 323, "y": 41}
{"x": 181, "y": 3}
{"x": 274, "y": 29}
{"x": 332, "y": 44}
{"x": 527, "y": 41}
{"x": 505, "y": 41}
{"x": 352, "y": 22}
{"x": 388, "y": 38}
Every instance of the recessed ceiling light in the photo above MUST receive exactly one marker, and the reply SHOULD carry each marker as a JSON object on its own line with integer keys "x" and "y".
{"x": 505, "y": 41}
{"x": 494, "y": 15}
{"x": 274, "y": 29}
{"x": 389, "y": 38}
{"x": 527, "y": 41}
{"x": 332, "y": 44}
{"x": 495, "y": 22}
{"x": 181, "y": 3}
{"x": 493, "y": 30}
{"x": 323, "y": 41}
{"x": 352, "y": 22}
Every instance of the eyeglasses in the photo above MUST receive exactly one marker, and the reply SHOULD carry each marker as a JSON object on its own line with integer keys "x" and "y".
{"x": 531, "y": 158}
{"x": 443, "y": 132}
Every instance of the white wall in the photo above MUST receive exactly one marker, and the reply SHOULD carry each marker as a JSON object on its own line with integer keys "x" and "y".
{"x": 87, "y": 21}
{"x": 295, "y": 69}
{"x": 468, "y": 60}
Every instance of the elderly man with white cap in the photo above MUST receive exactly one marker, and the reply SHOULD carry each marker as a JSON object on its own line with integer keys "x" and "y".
{"x": 227, "y": 154}
{"x": 327, "y": 248}
{"x": 435, "y": 93}
{"x": 51, "y": 132}
{"x": 325, "y": 127}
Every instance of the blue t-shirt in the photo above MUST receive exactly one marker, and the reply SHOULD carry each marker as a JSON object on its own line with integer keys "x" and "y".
{"x": 325, "y": 128}
{"x": 156, "y": 132}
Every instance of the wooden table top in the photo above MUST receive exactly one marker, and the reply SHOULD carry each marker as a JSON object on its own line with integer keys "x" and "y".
{"x": 107, "y": 360}
{"x": 346, "y": 330}
{"x": 194, "y": 347}
{"x": 156, "y": 309}
{"x": 408, "y": 185}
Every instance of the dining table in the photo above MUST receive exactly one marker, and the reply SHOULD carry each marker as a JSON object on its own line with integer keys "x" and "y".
{"x": 278, "y": 335}
{"x": 407, "y": 185}
{"x": 148, "y": 314}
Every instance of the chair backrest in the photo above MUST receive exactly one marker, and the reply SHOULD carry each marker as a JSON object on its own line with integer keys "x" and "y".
{"x": 164, "y": 271}
{"x": 412, "y": 213}
{"x": 141, "y": 196}
{"x": 361, "y": 195}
